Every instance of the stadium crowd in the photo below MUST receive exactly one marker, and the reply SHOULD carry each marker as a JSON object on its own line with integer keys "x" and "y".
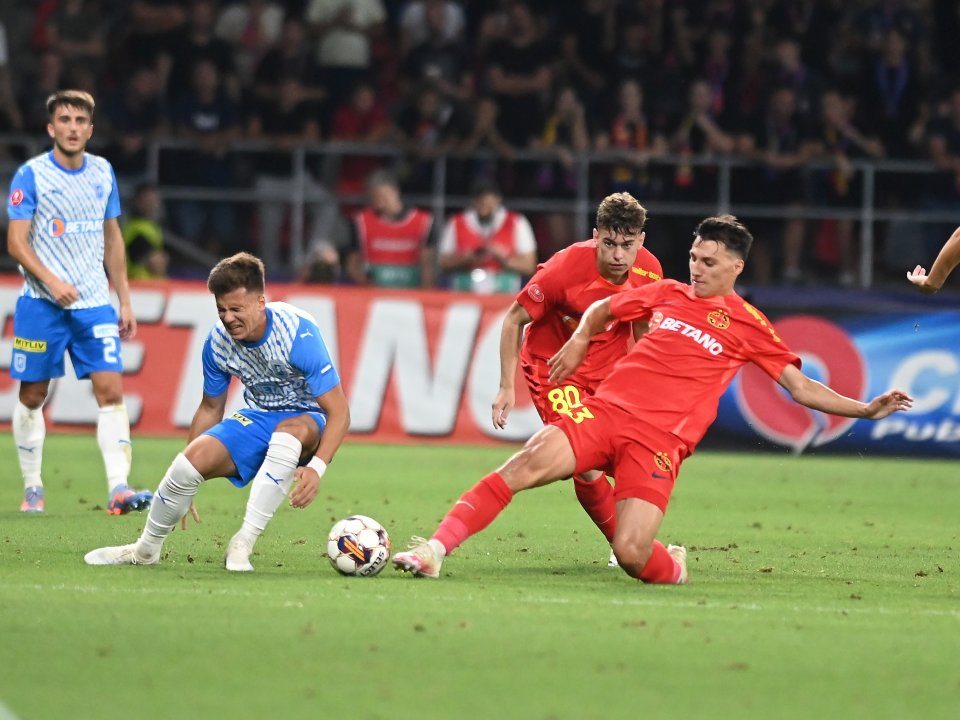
{"x": 779, "y": 83}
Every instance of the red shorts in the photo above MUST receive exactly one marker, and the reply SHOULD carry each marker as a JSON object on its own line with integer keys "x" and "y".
{"x": 547, "y": 397}
{"x": 643, "y": 460}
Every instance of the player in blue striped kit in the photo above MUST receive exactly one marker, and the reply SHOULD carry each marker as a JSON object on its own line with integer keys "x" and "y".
{"x": 295, "y": 420}
{"x": 63, "y": 209}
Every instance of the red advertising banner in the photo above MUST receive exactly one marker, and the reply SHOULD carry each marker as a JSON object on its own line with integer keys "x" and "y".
{"x": 415, "y": 365}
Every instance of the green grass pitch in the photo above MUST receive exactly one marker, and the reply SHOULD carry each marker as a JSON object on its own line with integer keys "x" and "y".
{"x": 820, "y": 588}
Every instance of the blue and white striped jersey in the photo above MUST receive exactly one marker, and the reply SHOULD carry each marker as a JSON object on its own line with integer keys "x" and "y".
{"x": 68, "y": 208}
{"x": 287, "y": 369}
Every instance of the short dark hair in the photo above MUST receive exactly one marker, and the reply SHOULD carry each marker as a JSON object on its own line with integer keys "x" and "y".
{"x": 70, "y": 98}
{"x": 621, "y": 213}
{"x": 728, "y": 231}
{"x": 484, "y": 186}
{"x": 242, "y": 270}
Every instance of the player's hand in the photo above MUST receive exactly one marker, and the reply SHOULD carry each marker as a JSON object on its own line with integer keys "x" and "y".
{"x": 568, "y": 358}
{"x": 127, "y": 323}
{"x": 194, "y": 513}
{"x": 502, "y": 405}
{"x": 308, "y": 484}
{"x": 63, "y": 293}
{"x": 890, "y": 402}
{"x": 920, "y": 278}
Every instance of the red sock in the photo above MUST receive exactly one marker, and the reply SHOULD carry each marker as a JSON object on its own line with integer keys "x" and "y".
{"x": 597, "y": 499}
{"x": 475, "y": 509}
{"x": 661, "y": 567}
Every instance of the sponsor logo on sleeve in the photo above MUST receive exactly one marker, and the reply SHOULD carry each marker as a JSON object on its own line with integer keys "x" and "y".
{"x": 535, "y": 293}
{"x": 16, "y": 197}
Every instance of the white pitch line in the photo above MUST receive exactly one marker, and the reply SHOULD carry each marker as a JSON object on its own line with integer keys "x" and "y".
{"x": 297, "y": 600}
{"x": 6, "y": 713}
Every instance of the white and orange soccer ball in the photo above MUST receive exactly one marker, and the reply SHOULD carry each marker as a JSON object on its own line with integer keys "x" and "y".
{"x": 358, "y": 545}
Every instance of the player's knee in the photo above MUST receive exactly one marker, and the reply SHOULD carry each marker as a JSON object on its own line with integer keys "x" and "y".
{"x": 304, "y": 429}
{"x": 33, "y": 395}
{"x": 632, "y": 552}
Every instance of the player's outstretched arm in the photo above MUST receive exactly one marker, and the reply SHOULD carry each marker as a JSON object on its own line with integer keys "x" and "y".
{"x": 947, "y": 259}
{"x": 569, "y": 357}
{"x": 511, "y": 333}
{"x": 817, "y": 396}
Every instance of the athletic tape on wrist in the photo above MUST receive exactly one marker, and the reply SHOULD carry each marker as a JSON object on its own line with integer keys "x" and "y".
{"x": 318, "y": 465}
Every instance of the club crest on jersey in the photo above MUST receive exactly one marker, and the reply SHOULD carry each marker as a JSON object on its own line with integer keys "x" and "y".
{"x": 16, "y": 197}
{"x": 656, "y": 319}
{"x": 535, "y": 293}
{"x": 719, "y": 319}
{"x": 662, "y": 461}
{"x": 98, "y": 189}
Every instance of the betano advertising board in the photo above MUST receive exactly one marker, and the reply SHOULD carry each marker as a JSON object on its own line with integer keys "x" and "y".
{"x": 424, "y": 367}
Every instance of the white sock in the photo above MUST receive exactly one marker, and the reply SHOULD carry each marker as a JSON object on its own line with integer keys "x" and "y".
{"x": 113, "y": 436}
{"x": 170, "y": 503}
{"x": 271, "y": 484}
{"x": 29, "y": 432}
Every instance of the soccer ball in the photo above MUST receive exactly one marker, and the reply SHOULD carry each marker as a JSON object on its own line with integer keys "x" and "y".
{"x": 358, "y": 545}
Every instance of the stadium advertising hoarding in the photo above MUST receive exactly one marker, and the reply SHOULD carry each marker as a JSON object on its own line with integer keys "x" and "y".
{"x": 425, "y": 365}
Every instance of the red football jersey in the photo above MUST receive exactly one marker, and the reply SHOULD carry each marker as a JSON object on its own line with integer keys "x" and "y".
{"x": 674, "y": 377}
{"x": 560, "y": 292}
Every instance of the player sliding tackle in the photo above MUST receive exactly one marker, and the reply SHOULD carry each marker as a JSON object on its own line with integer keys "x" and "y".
{"x": 650, "y": 412}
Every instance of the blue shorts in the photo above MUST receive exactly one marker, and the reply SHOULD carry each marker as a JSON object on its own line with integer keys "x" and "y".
{"x": 246, "y": 435}
{"x": 43, "y": 331}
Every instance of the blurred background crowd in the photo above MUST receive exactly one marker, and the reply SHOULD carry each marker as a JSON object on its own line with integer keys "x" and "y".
{"x": 826, "y": 124}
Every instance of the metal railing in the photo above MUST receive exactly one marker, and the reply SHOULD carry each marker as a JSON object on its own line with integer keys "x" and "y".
{"x": 442, "y": 197}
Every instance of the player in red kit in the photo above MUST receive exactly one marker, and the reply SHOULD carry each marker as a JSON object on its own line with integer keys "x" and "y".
{"x": 656, "y": 404}
{"x": 551, "y": 305}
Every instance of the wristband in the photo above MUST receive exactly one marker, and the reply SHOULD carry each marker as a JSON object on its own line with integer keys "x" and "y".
{"x": 317, "y": 465}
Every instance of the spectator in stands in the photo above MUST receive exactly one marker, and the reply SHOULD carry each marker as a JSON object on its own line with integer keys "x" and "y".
{"x": 345, "y": 31}
{"x": 421, "y": 19}
{"x": 153, "y": 29}
{"x": 198, "y": 44}
{"x": 47, "y": 79}
{"x": 943, "y": 191}
{"x": 147, "y": 258}
{"x": 697, "y": 133}
{"x": 392, "y": 245}
{"x": 292, "y": 57}
{"x": 789, "y": 69}
{"x": 635, "y": 140}
{"x": 839, "y": 141}
{"x": 252, "y": 28}
{"x": 518, "y": 75}
{"x": 207, "y": 116}
{"x": 780, "y": 146}
{"x": 362, "y": 120}
{"x": 565, "y": 135}
{"x": 587, "y": 33}
{"x": 77, "y": 31}
{"x": 893, "y": 97}
{"x": 287, "y": 123}
{"x": 134, "y": 115}
{"x": 487, "y": 248}
{"x": 430, "y": 128}
{"x": 439, "y": 60}
{"x": 12, "y": 118}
